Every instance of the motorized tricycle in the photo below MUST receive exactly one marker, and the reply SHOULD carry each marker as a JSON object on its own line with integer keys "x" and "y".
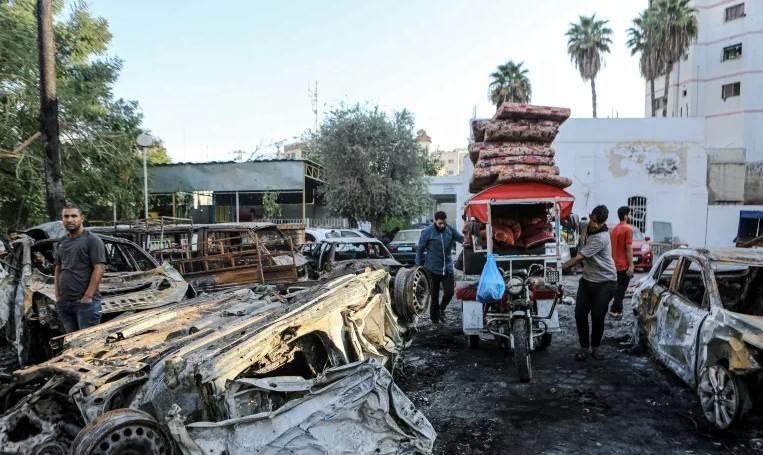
{"x": 521, "y": 227}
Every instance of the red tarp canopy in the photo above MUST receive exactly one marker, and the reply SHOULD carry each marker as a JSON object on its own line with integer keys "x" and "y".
{"x": 478, "y": 205}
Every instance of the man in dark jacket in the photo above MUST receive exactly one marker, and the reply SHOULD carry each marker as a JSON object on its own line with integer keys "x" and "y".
{"x": 434, "y": 254}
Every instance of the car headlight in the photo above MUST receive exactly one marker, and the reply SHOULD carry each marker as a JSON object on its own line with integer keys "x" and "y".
{"x": 515, "y": 286}
{"x": 645, "y": 248}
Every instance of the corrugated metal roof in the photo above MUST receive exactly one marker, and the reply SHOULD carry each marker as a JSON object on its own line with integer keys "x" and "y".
{"x": 257, "y": 176}
{"x": 265, "y": 160}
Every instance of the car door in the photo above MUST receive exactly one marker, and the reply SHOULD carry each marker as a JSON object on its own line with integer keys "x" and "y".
{"x": 681, "y": 317}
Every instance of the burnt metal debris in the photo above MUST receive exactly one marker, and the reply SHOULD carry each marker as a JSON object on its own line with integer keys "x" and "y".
{"x": 133, "y": 281}
{"x": 253, "y": 368}
{"x": 701, "y": 312}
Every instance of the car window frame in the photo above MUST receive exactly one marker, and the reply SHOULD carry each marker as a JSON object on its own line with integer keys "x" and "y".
{"x": 662, "y": 266}
{"x": 705, "y": 305}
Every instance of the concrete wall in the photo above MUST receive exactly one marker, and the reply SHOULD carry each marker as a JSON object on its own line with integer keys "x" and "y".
{"x": 610, "y": 160}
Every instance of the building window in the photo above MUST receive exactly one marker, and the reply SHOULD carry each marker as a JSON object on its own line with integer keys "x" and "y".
{"x": 735, "y": 12}
{"x": 729, "y": 90}
{"x": 732, "y": 52}
{"x": 685, "y": 92}
{"x": 637, "y": 204}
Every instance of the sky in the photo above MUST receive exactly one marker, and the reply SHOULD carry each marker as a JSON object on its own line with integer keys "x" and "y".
{"x": 214, "y": 77}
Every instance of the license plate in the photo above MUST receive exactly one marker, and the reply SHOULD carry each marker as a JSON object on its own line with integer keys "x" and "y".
{"x": 552, "y": 276}
{"x": 405, "y": 248}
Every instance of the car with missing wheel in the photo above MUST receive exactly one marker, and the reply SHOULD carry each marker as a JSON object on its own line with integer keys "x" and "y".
{"x": 701, "y": 313}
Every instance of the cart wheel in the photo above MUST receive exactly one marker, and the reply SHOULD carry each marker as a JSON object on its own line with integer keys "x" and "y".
{"x": 545, "y": 341}
{"x": 520, "y": 333}
{"x": 474, "y": 341}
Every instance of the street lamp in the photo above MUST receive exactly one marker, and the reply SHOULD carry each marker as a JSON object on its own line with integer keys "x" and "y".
{"x": 145, "y": 141}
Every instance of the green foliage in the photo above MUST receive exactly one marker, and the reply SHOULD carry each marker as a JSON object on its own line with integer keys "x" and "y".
{"x": 270, "y": 206}
{"x": 433, "y": 164}
{"x": 509, "y": 83}
{"x": 157, "y": 154}
{"x": 587, "y": 42}
{"x": 101, "y": 162}
{"x": 393, "y": 222}
{"x": 374, "y": 168}
{"x": 641, "y": 39}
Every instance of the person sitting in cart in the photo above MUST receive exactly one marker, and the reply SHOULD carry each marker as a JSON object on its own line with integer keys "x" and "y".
{"x": 598, "y": 283}
{"x": 434, "y": 254}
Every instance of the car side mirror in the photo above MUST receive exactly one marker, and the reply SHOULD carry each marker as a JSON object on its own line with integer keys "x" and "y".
{"x": 647, "y": 239}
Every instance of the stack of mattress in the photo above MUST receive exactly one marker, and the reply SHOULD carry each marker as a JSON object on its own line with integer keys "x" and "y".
{"x": 515, "y": 146}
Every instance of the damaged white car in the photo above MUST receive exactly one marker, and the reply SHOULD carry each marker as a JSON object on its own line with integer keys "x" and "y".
{"x": 701, "y": 313}
{"x": 238, "y": 372}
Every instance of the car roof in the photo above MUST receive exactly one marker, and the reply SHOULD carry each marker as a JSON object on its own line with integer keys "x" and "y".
{"x": 352, "y": 240}
{"x": 744, "y": 256}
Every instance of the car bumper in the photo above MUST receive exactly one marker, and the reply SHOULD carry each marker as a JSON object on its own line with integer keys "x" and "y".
{"x": 642, "y": 261}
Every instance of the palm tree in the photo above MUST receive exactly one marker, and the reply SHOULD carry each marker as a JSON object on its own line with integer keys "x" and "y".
{"x": 675, "y": 27}
{"x": 641, "y": 39}
{"x": 509, "y": 83}
{"x": 587, "y": 41}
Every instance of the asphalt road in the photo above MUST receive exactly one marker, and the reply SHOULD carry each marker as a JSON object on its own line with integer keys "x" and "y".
{"x": 625, "y": 404}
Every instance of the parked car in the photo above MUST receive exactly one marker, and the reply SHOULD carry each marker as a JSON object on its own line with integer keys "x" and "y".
{"x": 642, "y": 251}
{"x": 320, "y": 234}
{"x": 403, "y": 246}
{"x": 133, "y": 281}
{"x": 701, "y": 313}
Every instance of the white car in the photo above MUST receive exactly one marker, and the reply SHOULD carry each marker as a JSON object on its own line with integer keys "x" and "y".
{"x": 319, "y": 234}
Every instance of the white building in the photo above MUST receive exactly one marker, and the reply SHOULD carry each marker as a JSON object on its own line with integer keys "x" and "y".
{"x": 721, "y": 81}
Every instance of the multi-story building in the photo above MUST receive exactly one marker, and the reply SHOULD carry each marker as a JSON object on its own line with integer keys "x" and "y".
{"x": 721, "y": 81}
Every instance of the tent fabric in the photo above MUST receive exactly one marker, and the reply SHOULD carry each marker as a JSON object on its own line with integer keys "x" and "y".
{"x": 751, "y": 214}
{"x": 477, "y": 206}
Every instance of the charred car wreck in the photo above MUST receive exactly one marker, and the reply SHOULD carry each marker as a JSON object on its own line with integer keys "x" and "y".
{"x": 701, "y": 313}
{"x": 215, "y": 257}
{"x": 133, "y": 281}
{"x": 234, "y": 372}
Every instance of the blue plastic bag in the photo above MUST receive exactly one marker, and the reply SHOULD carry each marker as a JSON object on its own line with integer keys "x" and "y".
{"x": 491, "y": 286}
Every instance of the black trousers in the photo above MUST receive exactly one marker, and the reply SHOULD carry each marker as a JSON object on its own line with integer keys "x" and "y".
{"x": 593, "y": 298}
{"x": 623, "y": 280}
{"x": 437, "y": 306}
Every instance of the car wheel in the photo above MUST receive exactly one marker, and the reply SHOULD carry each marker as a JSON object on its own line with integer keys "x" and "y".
{"x": 724, "y": 396}
{"x": 124, "y": 432}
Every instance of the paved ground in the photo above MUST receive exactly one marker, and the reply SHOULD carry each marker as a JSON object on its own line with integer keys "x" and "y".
{"x": 624, "y": 404}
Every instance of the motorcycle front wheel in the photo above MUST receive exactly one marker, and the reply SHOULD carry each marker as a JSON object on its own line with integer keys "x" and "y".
{"x": 520, "y": 333}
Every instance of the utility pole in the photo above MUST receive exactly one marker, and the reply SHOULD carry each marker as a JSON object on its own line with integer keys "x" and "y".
{"x": 54, "y": 176}
{"x": 313, "y": 95}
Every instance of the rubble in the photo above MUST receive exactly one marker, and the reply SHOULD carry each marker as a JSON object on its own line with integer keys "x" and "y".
{"x": 203, "y": 362}
{"x": 133, "y": 281}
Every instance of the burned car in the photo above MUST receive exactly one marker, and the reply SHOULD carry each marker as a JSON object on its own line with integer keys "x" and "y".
{"x": 133, "y": 281}
{"x": 236, "y": 372}
{"x": 334, "y": 257}
{"x": 214, "y": 257}
{"x": 701, "y": 313}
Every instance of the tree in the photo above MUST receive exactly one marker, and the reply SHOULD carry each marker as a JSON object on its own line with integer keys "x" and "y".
{"x": 509, "y": 82}
{"x": 641, "y": 39}
{"x": 675, "y": 29}
{"x": 373, "y": 166}
{"x": 433, "y": 163}
{"x": 271, "y": 209}
{"x": 97, "y": 132}
{"x": 157, "y": 154}
{"x": 587, "y": 42}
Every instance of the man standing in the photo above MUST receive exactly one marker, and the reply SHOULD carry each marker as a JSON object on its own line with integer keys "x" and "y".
{"x": 435, "y": 245}
{"x": 622, "y": 253}
{"x": 598, "y": 283}
{"x": 80, "y": 264}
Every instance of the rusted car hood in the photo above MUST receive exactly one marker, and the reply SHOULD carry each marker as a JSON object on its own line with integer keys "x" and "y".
{"x": 751, "y": 327}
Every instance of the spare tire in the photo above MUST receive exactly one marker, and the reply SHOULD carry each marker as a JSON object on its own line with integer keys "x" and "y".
{"x": 410, "y": 296}
{"x": 124, "y": 431}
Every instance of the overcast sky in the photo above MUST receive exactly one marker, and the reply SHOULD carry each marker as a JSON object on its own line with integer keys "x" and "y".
{"x": 215, "y": 77}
